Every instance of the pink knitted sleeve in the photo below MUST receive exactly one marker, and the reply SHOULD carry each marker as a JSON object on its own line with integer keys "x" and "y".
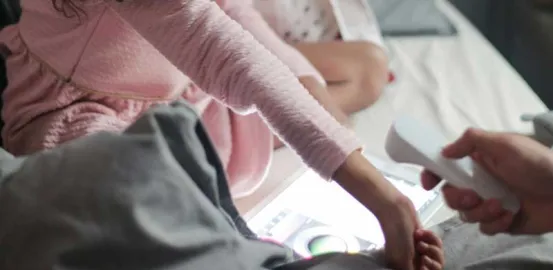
{"x": 243, "y": 12}
{"x": 229, "y": 64}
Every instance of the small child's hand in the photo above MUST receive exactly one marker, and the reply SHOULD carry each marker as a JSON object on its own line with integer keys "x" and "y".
{"x": 430, "y": 249}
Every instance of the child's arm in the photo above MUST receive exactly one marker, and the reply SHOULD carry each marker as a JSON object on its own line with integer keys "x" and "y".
{"x": 244, "y": 13}
{"x": 248, "y": 17}
{"x": 229, "y": 64}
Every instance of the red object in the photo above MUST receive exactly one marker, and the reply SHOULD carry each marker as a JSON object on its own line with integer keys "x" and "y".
{"x": 391, "y": 77}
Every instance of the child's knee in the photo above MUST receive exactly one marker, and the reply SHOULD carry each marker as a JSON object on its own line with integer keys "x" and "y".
{"x": 371, "y": 71}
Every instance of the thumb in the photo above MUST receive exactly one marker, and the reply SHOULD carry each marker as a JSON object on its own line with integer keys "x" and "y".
{"x": 472, "y": 140}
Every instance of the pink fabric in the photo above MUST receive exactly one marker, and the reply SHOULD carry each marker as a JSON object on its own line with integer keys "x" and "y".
{"x": 243, "y": 12}
{"x": 69, "y": 78}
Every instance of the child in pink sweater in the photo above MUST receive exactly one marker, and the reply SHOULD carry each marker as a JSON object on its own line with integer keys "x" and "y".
{"x": 231, "y": 132}
{"x": 76, "y": 68}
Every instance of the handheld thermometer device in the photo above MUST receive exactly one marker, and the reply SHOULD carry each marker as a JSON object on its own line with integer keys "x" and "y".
{"x": 411, "y": 141}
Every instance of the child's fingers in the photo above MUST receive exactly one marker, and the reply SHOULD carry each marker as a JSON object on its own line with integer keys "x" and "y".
{"x": 431, "y": 251}
{"x": 429, "y": 264}
{"x": 429, "y": 238}
{"x": 429, "y": 245}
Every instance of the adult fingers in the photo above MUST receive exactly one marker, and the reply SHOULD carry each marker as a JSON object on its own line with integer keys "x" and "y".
{"x": 489, "y": 163}
{"x": 500, "y": 225}
{"x": 429, "y": 180}
{"x": 463, "y": 146}
{"x": 488, "y": 212}
{"x": 461, "y": 199}
{"x": 471, "y": 140}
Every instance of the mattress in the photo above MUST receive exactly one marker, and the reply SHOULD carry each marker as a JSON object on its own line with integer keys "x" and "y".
{"x": 450, "y": 82}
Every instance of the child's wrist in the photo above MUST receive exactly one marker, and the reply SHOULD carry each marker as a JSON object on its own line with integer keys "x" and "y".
{"x": 368, "y": 185}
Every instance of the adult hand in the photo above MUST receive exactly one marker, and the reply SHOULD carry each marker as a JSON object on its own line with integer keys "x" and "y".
{"x": 524, "y": 165}
{"x": 395, "y": 212}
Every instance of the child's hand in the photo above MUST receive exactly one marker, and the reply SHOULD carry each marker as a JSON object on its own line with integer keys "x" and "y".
{"x": 430, "y": 249}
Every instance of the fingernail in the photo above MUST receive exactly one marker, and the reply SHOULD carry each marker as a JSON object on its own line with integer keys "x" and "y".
{"x": 462, "y": 217}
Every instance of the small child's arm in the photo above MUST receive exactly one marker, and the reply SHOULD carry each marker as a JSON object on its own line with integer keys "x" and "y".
{"x": 251, "y": 20}
{"x": 228, "y": 63}
{"x": 244, "y": 13}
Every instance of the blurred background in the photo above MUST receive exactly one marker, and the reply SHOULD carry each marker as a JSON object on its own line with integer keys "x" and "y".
{"x": 522, "y": 31}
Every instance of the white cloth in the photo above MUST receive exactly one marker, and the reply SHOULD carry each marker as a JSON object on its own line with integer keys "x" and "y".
{"x": 320, "y": 20}
{"x": 357, "y": 21}
{"x": 451, "y": 83}
{"x": 300, "y": 20}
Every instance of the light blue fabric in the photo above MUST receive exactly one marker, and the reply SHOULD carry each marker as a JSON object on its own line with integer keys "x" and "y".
{"x": 411, "y": 18}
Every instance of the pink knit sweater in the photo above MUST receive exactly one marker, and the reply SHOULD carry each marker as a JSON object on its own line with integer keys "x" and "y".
{"x": 72, "y": 77}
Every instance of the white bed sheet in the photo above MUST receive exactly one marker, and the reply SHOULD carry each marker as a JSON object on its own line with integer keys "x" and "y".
{"x": 451, "y": 82}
